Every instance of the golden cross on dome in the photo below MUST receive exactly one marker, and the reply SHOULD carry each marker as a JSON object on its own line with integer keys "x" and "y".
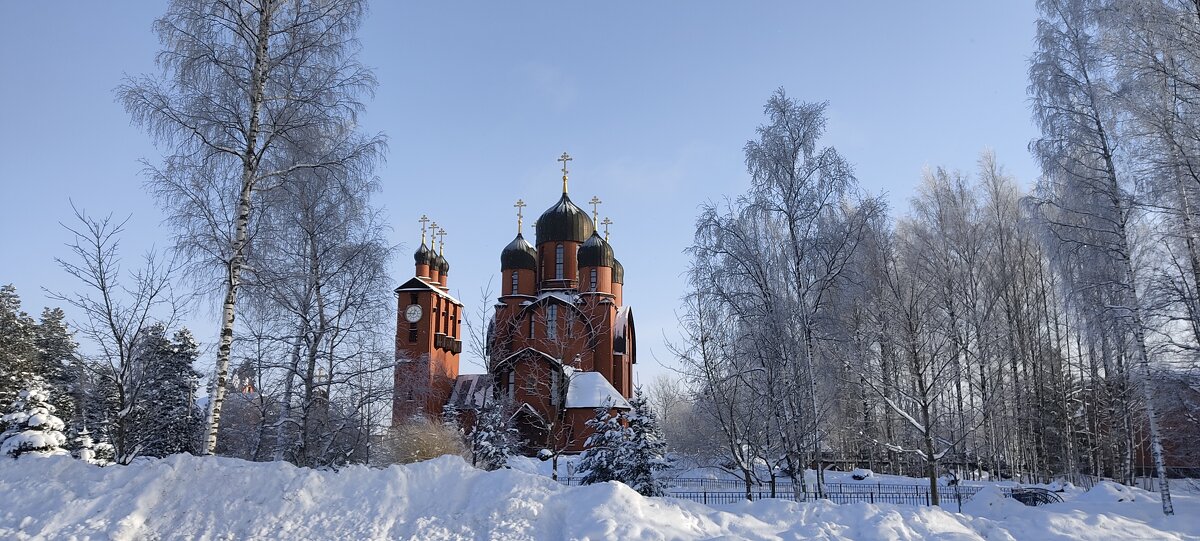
{"x": 606, "y": 223}
{"x": 595, "y": 202}
{"x": 442, "y": 244}
{"x": 520, "y": 204}
{"x": 564, "y": 159}
{"x": 424, "y": 219}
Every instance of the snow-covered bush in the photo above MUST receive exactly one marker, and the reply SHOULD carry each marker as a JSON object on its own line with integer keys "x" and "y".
{"x": 861, "y": 474}
{"x": 31, "y": 426}
{"x": 418, "y": 439}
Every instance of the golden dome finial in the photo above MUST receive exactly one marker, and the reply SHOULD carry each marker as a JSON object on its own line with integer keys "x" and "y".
{"x": 424, "y": 219}
{"x": 564, "y": 159}
{"x": 520, "y": 204}
{"x": 441, "y": 241}
{"x": 606, "y": 223}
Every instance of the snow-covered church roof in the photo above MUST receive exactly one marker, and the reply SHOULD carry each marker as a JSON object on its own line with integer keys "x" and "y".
{"x": 470, "y": 391}
{"x": 591, "y": 390}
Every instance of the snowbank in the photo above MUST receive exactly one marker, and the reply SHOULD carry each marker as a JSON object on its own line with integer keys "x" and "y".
{"x": 443, "y": 499}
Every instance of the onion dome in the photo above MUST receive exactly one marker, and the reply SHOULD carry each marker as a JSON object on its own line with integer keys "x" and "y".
{"x": 424, "y": 255}
{"x": 443, "y": 265}
{"x": 618, "y": 274}
{"x": 519, "y": 254}
{"x": 596, "y": 252}
{"x": 436, "y": 261}
{"x": 564, "y": 221}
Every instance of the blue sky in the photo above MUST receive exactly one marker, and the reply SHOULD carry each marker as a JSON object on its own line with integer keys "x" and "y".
{"x": 654, "y": 100}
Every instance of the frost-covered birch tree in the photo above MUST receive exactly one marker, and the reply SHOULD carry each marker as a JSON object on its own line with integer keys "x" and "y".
{"x": 1085, "y": 199}
{"x": 242, "y": 84}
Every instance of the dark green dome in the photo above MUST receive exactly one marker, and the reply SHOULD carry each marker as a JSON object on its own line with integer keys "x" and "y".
{"x": 519, "y": 254}
{"x": 596, "y": 252}
{"x": 438, "y": 262}
{"x": 564, "y": 221}
{"x": 423, "y": 256}
{"x": 618, "y": 272}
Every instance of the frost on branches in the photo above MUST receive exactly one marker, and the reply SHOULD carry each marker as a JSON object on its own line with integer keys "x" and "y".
{"x": 31, "y": 426}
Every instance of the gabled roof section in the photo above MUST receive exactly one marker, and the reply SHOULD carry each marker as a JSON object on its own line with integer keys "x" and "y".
{"x": 591, "y": 390}
{"x": 470, "y": 391}
{"x": 417, "y": 283}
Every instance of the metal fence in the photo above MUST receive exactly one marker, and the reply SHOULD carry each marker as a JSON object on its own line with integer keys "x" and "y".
{"x": 726, "y": 491}
{"x": 900, "y": 498}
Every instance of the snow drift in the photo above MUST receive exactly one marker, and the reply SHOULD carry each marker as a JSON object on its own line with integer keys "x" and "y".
{"x": 184, "y": 497}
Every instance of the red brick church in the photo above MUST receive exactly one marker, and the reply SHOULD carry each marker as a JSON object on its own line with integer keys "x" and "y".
{"x": 560, "y": 344}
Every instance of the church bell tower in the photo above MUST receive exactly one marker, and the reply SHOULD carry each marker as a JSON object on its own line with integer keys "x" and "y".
{"x": 428, "y": 333}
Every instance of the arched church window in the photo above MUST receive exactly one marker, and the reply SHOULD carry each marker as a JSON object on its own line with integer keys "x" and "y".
{"x": 552, "y": 322}
{"x": 593, "y": 278}
{"x": 514, "y": 283}
{"x": 558, "y": 262}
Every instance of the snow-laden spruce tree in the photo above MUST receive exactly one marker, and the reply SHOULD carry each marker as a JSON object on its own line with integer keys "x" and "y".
{"x": 85, "y": 448}
{"x": 644, "y": 452}
{"x": 17, "y": 348}
{"x": 493, "y": 439}
{"x": 603, "y": 459}
{"x": 168, "y": 420}
{"x": 31, "y": 426}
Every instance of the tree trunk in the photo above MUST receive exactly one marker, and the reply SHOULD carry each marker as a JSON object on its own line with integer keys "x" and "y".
{"x": 237, "y": 259}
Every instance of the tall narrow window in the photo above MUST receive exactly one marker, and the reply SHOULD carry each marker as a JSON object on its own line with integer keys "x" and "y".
{"x": 512, "y": 383}
{"x": 593, "y": 278}
{"x": 553, "y": 389}
{"x": 514, "y": 283}
{"x": 412, "y": 333}
{"x": 552, "y": 322}
{"x": 558, "y": 262}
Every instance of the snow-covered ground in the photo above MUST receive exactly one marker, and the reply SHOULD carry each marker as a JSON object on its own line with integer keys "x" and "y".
{"x": 185, "y": 497}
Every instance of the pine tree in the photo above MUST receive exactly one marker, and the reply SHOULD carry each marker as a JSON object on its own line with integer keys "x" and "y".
{"x": 493, "y": 439}
{"x": 85, "y": 448}
{"x": 644, "y": 453}
{"x": 31, "y": 426}
{"x": 58, "y": 362}
{"x": 601, "y": 459}
{"x": 167, "y": 418}
{"x": 18, "y": 352}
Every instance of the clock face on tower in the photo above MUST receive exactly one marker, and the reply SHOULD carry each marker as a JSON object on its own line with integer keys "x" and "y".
{"x": 412, "y": 313}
